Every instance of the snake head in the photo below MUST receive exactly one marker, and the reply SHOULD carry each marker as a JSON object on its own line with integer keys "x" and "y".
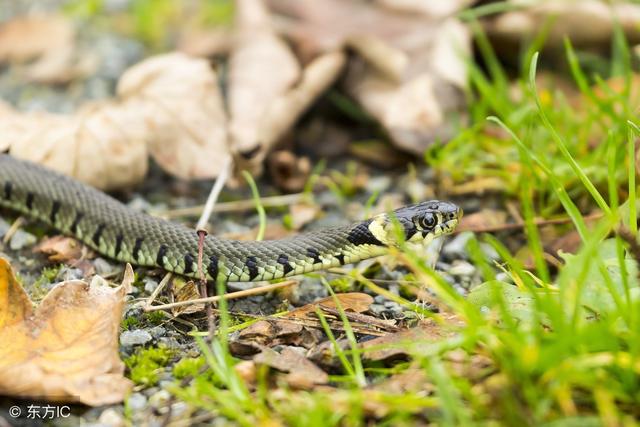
{"x": 421, "y": 223}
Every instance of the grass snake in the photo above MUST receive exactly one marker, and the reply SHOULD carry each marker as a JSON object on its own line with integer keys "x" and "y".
{"x": 116, "y": 231}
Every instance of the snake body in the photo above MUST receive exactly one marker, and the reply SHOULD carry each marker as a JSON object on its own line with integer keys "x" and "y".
{"x": 120, "y": 233}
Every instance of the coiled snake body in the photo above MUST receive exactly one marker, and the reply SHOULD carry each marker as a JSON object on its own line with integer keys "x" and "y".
{"x": 118, "y": 232}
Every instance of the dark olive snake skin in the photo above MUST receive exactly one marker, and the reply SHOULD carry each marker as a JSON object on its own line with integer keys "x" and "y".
{"x": 120, "y": 233}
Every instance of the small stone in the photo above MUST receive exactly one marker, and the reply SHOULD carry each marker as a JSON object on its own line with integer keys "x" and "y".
{"x": 68, "y": 273}
{"x": 462, "y": 268}
{"x": 135, "y": 337}
{"x": 137, "y": 402}
{"x": 456, "y": 248}
{"x": 490, "y": 252}
{"x": 378, "y": 184}
{"x": 504, "y": 277}
{"x": 377, "y": 309}
{"x": 4, "y": 227}
{"x": 157, "y": 331}
{"x": 111, "y": 417}
{"x": 102, "y": 266}
{"x": 21, "y": 239}
{"x": 160, "y": 399}
{"x": 379, "y": 299}
{"x": 150, "y": 285}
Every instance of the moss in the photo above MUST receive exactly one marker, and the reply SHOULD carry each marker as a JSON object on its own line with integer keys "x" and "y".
{"x": 188, "y": 367}
{"x": 154, "y": 317}
{"x": 129, "y": 323}
{"x": 145, "y": 365}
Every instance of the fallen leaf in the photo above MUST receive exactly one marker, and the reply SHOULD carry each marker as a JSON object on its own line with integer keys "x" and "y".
{"x": 63, "y": 249}
{"x": 350, "y": 301}
{"x": 303, "y": 213}
{"x": 484, "y": 219}
{"x": 28, "y": 37}
{"x": 394, "y": 346}
{"x": 587, "y": 23}
{"x": 302, "y": 373}
{"x": 185, "y": 291}
{"x": 177, "y": 97}
{"x": 262, "y": 67}
{"x": 103, "y": 144}
{"x": 67, "y": 348}
{"x": 288, "y": 171}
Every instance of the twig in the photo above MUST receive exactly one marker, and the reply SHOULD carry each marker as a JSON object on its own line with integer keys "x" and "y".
{"x": 215, "y": 192}
{"x": 12, "y": 230}
{"x": 157, "y": 290}
{"x": 235, "y": 206}
{"x": 232, "y": 295}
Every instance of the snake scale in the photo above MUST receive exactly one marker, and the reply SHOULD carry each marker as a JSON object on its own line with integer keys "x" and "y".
{"x": 116, "y": 231}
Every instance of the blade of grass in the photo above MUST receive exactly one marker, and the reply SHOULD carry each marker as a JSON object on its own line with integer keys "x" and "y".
{"x": 256, "y": 197}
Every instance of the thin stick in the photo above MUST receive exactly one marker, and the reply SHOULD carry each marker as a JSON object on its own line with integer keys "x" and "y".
{"x": 232, "y": 295}
{"x": 235, "y": 206}
{"x": 12, "y": 230}
{"x": 157, "y": 290}
{"x": 215, "y": 192}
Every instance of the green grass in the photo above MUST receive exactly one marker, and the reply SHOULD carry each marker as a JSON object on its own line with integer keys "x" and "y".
{"x": 546, "y": 348}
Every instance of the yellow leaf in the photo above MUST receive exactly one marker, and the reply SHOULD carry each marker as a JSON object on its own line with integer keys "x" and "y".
{"x": 67, "y": 348}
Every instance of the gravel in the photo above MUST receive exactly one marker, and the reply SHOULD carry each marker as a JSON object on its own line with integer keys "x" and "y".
{"x": 21, "y": 239}
{"x": 135, "y": 337}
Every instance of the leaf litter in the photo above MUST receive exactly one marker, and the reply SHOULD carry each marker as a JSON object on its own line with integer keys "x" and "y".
{"x": 65, "y": 350}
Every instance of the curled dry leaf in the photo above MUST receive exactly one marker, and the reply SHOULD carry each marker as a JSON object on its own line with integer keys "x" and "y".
{"x": 587, "y": 23}
{"x": 288, "y": 171}
{"x": 413, "y": 73}
{"x": 262, "y": 68}
{"x": 178, "y": 99}
{"x": 103, "y": 144}
{"x": 63, "y": 249}
{"x": 47, "y": 40}
{"x": 67, "y": 348}
{"x": 302, "y": 373}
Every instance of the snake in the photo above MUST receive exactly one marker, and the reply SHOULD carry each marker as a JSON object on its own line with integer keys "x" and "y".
{"x": 118, "y": 232}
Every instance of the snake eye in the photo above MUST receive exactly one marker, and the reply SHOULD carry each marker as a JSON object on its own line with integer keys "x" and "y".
{"x": 428, "y": 221}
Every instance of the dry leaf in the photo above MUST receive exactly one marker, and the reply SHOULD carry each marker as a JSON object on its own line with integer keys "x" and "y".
{"x": 302, "y": 372}
{"x": 67, "y": 348}
{"x": 28, "y": 37}
{"x": 63, "y": 249}
{"x": 394, "y": 346}
{"x": 262, "y": 67}
{"x": 185, "y": 291}
{"x": 303, "y": 213}
{"x": 350, "y": 301}
{"x": 587, "y": 23}
{"x": 413, "y": 73}
{"x": 103, "y": 144}
{"x": 178, "y": 99}
{"x": 484, "y": 219}
{"x": 288, "y": 171}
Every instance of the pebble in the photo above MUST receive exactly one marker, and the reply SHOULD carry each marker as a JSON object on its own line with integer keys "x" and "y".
{"x": 462, "y": 268}
{"x": 21, "y": 239}
{"x": 68, "y": 273}
{"x": 150, "y": 285}
{"x": 4, "y": 227}
{"x": 135, "y": 337}
{"x": 490, "y": 252}
{"x": 457, "y": 247}
{"x": 378, "y": 183}
{"x": 137, "y": 402}
{"x": 157, "y": 332}
{"x": 102, "y": 266}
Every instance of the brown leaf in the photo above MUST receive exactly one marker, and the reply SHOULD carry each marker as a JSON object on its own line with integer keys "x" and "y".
{"x": 103, "y": 144}
{"x": 351, "y": 301}
{"x": 28, "y": 37}
{"x": 67, "y": 348}
{"x": 289, "y": 172}
{"x": 262, "y": 67}
{"x": 394, "y": 346}
{"x": 63, "y": 249}
{"x": 484, "y": 219}
{"x": 185, "y": 291}
{"x": 177, "y": 98}
{"x": 303, "y": 213}
{"x": 302, "y": 372}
